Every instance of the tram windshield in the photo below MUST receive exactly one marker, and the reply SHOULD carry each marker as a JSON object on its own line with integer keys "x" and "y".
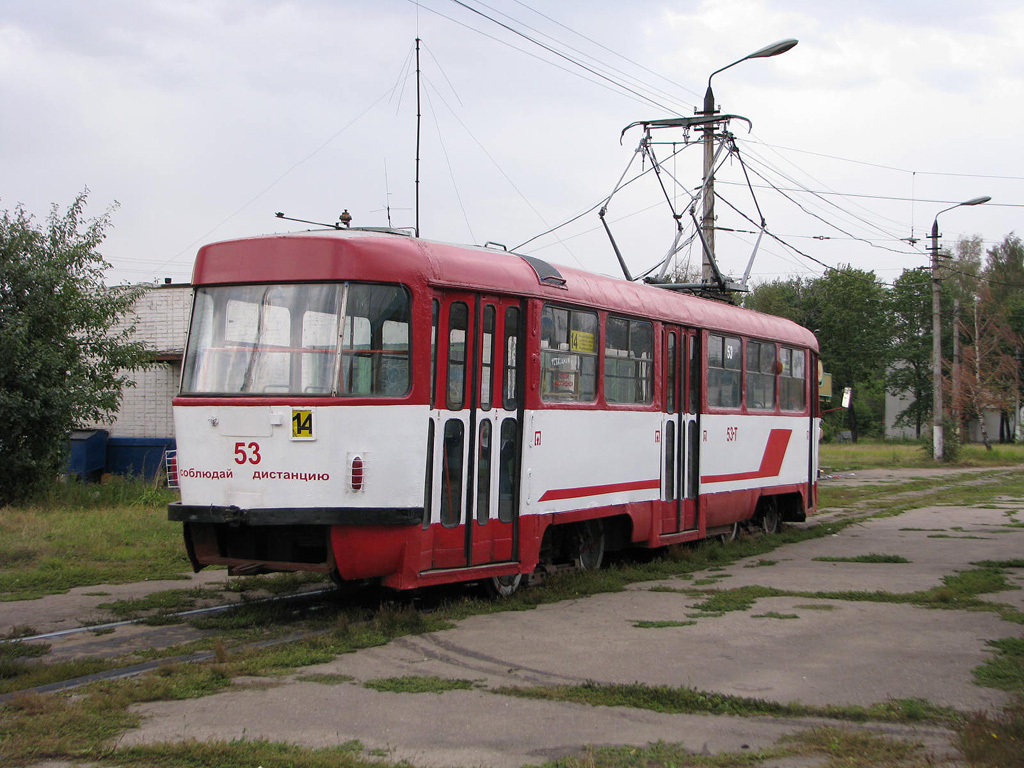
{"x": 312, "y": 339}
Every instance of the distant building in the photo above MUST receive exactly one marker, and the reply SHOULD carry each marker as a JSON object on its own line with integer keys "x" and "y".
{"x": 896, "y": 404}
{"x": 143, "y": 428}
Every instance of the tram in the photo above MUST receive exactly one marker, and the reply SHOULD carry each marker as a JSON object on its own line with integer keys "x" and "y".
{"x": 375, "y": 406}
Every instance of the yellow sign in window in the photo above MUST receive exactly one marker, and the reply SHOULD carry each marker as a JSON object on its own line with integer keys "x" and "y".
{"x": 302, "y": 424}
{"x": 581, "y": 341}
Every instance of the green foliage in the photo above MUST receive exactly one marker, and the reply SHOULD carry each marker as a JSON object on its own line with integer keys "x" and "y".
{"x": 994, "y": 740}
{"x": 65, "y": 356}
{"x": 683, "y": 700}
{"x": 1004, "y": 670}
{"x": 418, "y": 684}
{"x": 871, "y": 558}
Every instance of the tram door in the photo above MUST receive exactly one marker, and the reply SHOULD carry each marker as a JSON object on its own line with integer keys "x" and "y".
{"x": 476, "y": 430}
{"x": 680, "y": 430}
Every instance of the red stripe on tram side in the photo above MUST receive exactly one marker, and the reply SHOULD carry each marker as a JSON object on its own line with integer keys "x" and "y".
{"x": 600, "y": 490}
{"x": 771, "y": 461}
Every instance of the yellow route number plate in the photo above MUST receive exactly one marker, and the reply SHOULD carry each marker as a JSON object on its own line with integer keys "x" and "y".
{"x": 302, "y": 424}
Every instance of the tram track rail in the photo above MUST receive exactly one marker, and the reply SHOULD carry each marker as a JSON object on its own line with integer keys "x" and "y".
{"x": 113, "y": 648}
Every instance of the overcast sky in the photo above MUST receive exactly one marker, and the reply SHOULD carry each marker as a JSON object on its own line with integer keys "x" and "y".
{"x": 201, "y": 118}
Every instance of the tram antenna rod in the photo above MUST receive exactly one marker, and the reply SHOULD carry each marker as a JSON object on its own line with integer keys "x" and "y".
{"x": 418, "y": 116}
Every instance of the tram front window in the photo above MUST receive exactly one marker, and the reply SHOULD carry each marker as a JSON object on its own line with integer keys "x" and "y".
{"x": 309, "y": 339}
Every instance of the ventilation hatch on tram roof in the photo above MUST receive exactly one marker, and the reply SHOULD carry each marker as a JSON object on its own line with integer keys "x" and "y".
{"x": 546, "y": 273}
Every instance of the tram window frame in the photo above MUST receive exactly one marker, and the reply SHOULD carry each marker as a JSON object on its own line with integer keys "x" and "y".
{"x": 761, "y": 366}
{"x": 628, "y": 361}
{"x": 487, "y": 362}
{"x": 455, "y": 378}
{"x": 725, "y": 371}
{"x": 793, "y": 380}
{"x": 570, "y": 339}
{"x": 510, "y": 347}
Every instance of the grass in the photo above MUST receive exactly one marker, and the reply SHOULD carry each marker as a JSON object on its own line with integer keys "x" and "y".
{"x": 870, "y": 558}
{"x": 872, "y": 453}
{"x": 418, "y": 684}
{"x": 826, "y": 746}
{"x": 994, "y": 740}
{"x": 662, "y": 624}
{"x": 683, "y": 700}
{"x": 83, "y": 535}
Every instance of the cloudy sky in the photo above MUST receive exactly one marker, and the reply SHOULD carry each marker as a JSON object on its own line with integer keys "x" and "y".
{"x": 201, "y": 118}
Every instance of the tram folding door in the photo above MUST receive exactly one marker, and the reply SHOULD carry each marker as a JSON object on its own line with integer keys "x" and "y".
{"x": 679, "y": 431}
{"x": 475, "y": 469}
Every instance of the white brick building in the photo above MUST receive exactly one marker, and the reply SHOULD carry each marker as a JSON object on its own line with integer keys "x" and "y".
{"x": 161, "y": 320}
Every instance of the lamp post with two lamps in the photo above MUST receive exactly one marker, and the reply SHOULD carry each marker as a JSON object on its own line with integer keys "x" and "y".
{"x": 938, "y": 445}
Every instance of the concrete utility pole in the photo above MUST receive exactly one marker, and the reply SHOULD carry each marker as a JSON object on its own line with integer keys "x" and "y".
{"x": 708, "y": 221}
{"x": 937, "y": 436}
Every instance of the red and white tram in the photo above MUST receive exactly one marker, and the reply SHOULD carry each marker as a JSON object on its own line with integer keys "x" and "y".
{"x": 376, "y": 406}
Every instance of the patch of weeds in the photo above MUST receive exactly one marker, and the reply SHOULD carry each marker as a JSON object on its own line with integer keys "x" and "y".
{"x": 978, "y": 581}
{"x": 775, "y": 615}
{"x": 324, "y": 678}
{"x": 245, "y": 752}
{"x": 277, "y": 583}
{"x": 19, "y": 649}
{"x": 704, "y": 582}
{"x": 990, "y": 740}
{"x": 948, "y": 536}
{"x": 1004, "y": 670}
{"x": 418, "y": 684}
{"x": 19, "y": 631}
{"x": 662, "y": 698}
{"x": 37, "y": 728}
{"x": 761, "y": 563}
{"x": 165, "y": 601}
{"x": 662, "y": 624}
{"x": 870, "y": 558}
{"x": 178, "y": 681}
{"x": 856, "y": 749}
{"x": 739, "y": 599}
{"x": 816, "y": 607}
{"x": 16, "y": 675}
{"x": 660, "y": 754}
{"x": 704, "y": 615}
{"x": 96, "y": 594}
{"x": 1016, "y": 562}
{"x": 924, "y": 530}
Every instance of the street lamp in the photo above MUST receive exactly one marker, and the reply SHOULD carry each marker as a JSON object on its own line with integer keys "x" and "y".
{"x": 937, "y": 436}
{"x": 708, "y": 225}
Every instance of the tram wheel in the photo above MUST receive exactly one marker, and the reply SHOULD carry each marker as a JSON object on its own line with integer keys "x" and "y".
{"x": 589, "y": 546}
{"x": 503, "y": 586}
{"x": 771, "y": 517}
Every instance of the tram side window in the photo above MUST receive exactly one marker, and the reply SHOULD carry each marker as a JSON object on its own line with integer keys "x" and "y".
{"x": 510, "y": 398}
{"x": 792, "y": 389}
{"x": 375, "y": 341}
{"x": 628, "y": 358}
{"x": 724, "y": 364}
{"x": 568, "y": 355}
{"x": 458, "y": 325}
{"x": 760, "y": 376}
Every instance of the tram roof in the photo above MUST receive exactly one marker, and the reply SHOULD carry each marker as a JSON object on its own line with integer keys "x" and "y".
{"x": 329, "y": 255}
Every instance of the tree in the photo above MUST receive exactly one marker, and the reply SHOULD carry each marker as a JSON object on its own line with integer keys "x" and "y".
{"x": 783, "y": 298}
{"x": 910, "y": 322}
{"x": 65, "y": 358}
{"x": 846, "y": 309}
